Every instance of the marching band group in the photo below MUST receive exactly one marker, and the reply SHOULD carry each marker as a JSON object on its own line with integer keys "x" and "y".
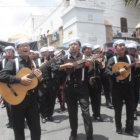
{"x": 77, "y": 77}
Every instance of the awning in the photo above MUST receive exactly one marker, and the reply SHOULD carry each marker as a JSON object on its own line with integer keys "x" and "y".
{"x": 16, "y": 37}
{"x": 64, "y": 46}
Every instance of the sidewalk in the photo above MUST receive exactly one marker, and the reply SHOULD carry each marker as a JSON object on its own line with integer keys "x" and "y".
{"x": 60, "y": 130}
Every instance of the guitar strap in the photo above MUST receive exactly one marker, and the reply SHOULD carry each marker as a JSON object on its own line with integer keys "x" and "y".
{"x": 105, "y": 58}
{"x": 129, "y": 61}
{"x": 68, "y": 77}
{"x": 115, "y": 60}
{"x": 39, "y": 62}
{"x": 33, "y": 65}
{"x": 3, "y": 63}
{"x": 139, "y": 57}
{"x": 17, "y": 64}
{"x": 83, "y": 70}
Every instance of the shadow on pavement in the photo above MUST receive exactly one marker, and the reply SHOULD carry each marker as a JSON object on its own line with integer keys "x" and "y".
{"x": 105, "y": 118}
{"x": 96, "y": 137}
{"x": 137, "y": 129}
{"x": 60, "y": 118}
{"x": 58, "y": 110}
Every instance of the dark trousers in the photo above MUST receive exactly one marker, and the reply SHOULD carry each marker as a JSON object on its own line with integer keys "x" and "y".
{"x": 136, "y": 92}
{"x": 61, "y": 97}
{"x": 123, "y": 93}
{"x": 27, "y": 109}
{"x": 106, "y": 86}
{"x": 73, "y": 96}
{"x": 51, "y": 97}
{"x": 95, "y": 96}
{"x": 9, "y": 113}
{"x": 47, "y": 100}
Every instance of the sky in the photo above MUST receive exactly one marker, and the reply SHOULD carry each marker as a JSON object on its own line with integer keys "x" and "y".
{"x": 13, "y": 13}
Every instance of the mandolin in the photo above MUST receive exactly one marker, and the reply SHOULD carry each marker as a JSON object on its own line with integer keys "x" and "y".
{"x": 15, "y": 93}
{"x": 119, "y": 65}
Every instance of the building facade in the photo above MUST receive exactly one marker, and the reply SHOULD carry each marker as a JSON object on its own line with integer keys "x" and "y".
{"x": 94, "y": 21}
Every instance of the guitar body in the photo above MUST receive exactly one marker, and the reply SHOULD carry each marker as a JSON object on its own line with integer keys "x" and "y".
{"x": 20, "y": 90}
{"x": 120, "y": 65}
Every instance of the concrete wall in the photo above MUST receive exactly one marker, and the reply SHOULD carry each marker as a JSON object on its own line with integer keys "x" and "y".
{"x": 86, "y": 23}
{"x": 115, "y": 9}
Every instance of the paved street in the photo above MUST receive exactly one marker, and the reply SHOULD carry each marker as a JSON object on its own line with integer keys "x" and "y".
{"x": 59, "y": 130}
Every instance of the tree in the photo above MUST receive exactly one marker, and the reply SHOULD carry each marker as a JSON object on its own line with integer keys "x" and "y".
{"x": 132, "y": 2}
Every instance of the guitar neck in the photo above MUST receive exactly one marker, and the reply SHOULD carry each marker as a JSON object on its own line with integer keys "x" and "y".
{"x": 57, "y": 56}
{"x": 31, "y": 75}
{"x": 130, "y": 65}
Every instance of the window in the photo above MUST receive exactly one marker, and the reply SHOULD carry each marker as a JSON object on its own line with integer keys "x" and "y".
{"x": 55, "y": 36}
{"x": 124, "y": 25}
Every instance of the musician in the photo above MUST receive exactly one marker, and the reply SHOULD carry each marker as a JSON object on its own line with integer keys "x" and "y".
{"x": 2, "y": 101}
{"x": 9, "y": 54}
{"x": 87, "y": 49}
{"x": 48, "y": 89}
{"x": 76, "y": 90}
{"x": 45, "y": 92}
{"x": 132, "y": 48}
{"x": 104, "y": 79}
{"x": 28, "y": 108}
{"x": 36, "y": 54}
{"x": 52, "y": 83}
{"x": 42, "y": 88}
{"x": 32, "y": 54}
{"x": 106, "y": 82}
{"x": 96, "y": 86}
{"x": 122, "y": 90}
{"x": 44, "y": 54}
{"x": 51, "y": 51}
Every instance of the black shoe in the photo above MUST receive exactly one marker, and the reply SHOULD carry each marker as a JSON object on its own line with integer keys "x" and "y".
{"x": 63, "y": 108}
{"x": 138, "y": 113}
{"x": 119, "y": 131}
{"x": 109, "y": 105}
{"x": 50, "y": 119}
{"x": 72, "y": 137}
{"x": 135, "y": 116}
{"x": 131, "y": 133}
{"x": 98, "y": 119}
{"x": 43, "y": 120}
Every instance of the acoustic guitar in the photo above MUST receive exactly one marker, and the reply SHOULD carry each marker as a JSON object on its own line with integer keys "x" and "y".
{"x": 15, "y": 93}
{"x": 120, "y": 65}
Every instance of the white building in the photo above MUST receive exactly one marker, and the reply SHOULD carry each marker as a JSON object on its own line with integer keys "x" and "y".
{"x": 91, "y": 20}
